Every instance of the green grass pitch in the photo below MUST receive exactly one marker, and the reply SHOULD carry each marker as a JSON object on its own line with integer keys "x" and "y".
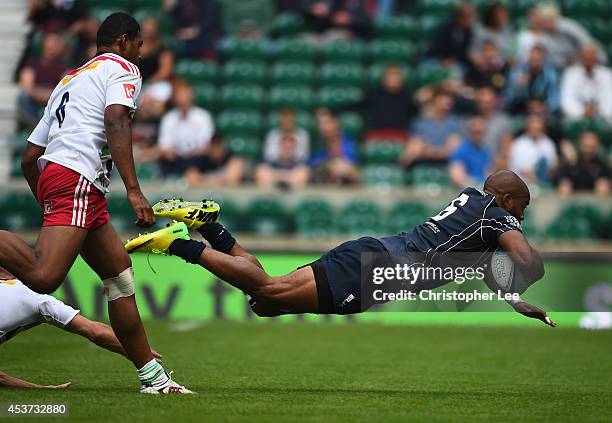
{"x": 284, "y": 372}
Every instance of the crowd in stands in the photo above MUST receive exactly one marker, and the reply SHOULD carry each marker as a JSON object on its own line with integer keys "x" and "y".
{"x": 514, "y": 90}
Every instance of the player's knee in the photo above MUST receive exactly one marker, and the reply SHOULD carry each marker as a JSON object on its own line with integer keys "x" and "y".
{"x": 120, "y": 286}
{"x": 44, "y": 281}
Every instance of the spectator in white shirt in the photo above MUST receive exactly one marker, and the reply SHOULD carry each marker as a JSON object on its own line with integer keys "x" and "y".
{"x": 185, "y": 133}
{"x": 586, "y": 88}
{"x": 286, "y": 127}
{"x": 533, "y": 155}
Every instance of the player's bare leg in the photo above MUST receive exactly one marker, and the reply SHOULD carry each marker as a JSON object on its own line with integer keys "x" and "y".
{"x": 44, "y": 268}
{"x": 104, "y": 253}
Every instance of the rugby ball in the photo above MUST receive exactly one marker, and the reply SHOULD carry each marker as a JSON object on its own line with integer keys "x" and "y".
{"x": 504, "y": 274}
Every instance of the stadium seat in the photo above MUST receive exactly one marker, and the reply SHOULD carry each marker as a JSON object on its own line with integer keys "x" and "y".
{"x": 165, "y": 21}
{"x": 344, "y": 51}
{"x": 294, "y": 96}
{"x": 19, "y": 211}
{"x": 230, "y": 214}
{"x": 429, "y": 176}
{"x": 341, "y": 74}
{"x": 109, "y": 4}
{"x": 205, "y": 95}
{"x": 101, "y": 13}
{"x": 287, "y": 25}
{"x": 122, "y": 215}
{"x": 428, "y": 25}
{"x": 147, "y": 171}
{"x": 293, "y": 72}
{"x": 405, "y": 215}
{"x": 244, "y": 146}
{"x": 196, "y": 71}
{"x": 241, "y": 71}
{"x": 267, "y": 216}
{"x": 244, "y": 49}
{"x": 395, "y": 27}
{"x": 352, "y": 123}
{"x": 432, "y": 74}
{"x": 521, "y": 7}
{"x": 587, "y": 213}
{"x": 360, "y": 217}
{"x": 599, "y": 28}
{"x": 401, "y": 52}
{"x": 383, "y": 176}
{"x": 291, "y": 49}
{"x": 304, "y": 120}
{"x": 235, "y": 122}
{"x": 382, "y": 152}
{"x": 241, "y": 96}
{"x": 437, "y": 7}
{"x": 586, "y": 8}
{"x": 314, "y": 218}
{"x": 339, "y": 96}
{"x": 569, "y": 229}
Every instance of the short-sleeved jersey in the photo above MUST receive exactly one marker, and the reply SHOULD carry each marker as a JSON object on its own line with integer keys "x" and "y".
{"x": 472, "y": 222}
{"x": 21, "y": 309}
{"x": 72, "y": 127}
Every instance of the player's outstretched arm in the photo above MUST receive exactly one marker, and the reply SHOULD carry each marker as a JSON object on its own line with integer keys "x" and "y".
{"x": 100, "y": 334}
{"x": 527, "y": 259}
{"x": 29, "y": 165}
{"x": 7, "y": 381}
{"x": 117, "y": 125}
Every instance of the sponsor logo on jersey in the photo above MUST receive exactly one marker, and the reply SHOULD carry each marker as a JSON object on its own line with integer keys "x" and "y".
{"x": 76, "y": 72}
{"x": 130, "y": 90}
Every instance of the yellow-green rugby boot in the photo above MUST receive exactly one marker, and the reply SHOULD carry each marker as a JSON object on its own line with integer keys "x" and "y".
{"x": 192, "y": 213}
{"x": 159, "y": 241}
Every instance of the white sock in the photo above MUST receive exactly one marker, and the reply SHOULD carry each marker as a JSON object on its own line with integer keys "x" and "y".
{"x": 153, "y": 373}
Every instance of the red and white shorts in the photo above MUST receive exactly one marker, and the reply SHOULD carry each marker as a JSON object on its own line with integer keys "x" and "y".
{"x": 68, "y": 199}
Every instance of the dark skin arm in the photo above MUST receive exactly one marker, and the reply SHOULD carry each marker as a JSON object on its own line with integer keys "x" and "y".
{"x": 29, "y": 165}
{"x": 530, "y": 265}
{"x": 117, "y": 125}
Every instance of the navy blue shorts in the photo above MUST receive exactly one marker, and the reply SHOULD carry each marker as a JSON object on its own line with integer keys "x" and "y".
{"x": 338, "y": 275}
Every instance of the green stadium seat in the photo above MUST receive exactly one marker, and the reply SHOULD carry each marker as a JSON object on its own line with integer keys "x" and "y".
{"x": 197, "y": 71}
{"x": 151, "y": 4}
{"x": 437, "y": 7}
{"x": 360, "y": 217}
{"x": 241, "y": 97}
{"x": 122, "y": 215}
{"x": 245, "y": 146}
{"x": 399, "y": 26}
{"x": 586, "y": 8}
{"x": 287, "y": 25}
{"x": 429, "y": 176}
{"x": 383, "y": 176}
{"x": 19, "y": 211}
{"x": 569, "y": 229}
{"x": 293, "y": 72}
{"x": 234, "y": 122}
{"x": 293, "y": 96}
{"x": 101, "y": 13}
{"x": 291, "y": 49}
{"x": 245, "y": 71}
{"x": 267, "y": 216}
{"x": 432, "y": 74}
{"x": 205, "y": 95}
{"x": 304, "y": 119}
{"x": 108, "y": 4}
{"x": 147, "y": 171}
{"x": 521, "y": 7}
{"x": 382, "y": 152}
{"x": 344, "y": 51}
{"x": 573, "y": 128}
{"x": 314, "y": 218}
{"x": 333, "y": 97}
{"x": 428, "y": 25}
{"x": 585, "y": 212}
{"x": 16, "y": 171}
{"x": 230, "y": 214}
{"x": 341, "y": 74}
{"x": 405, "y": 215}
{"x": 166, "y": 23}
{"x": 400, "y": 52}
{"x": 352, "y": 123}
{"x": 244, "y": 49}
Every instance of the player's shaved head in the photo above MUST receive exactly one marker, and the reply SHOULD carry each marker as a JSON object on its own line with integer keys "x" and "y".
{"x": 510, "y": 191}
{"x": 114, "y": 26}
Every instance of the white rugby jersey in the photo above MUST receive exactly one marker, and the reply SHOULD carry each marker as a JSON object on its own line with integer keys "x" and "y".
{"x": 72, "y": 127}
{"x": 21, "y": 309}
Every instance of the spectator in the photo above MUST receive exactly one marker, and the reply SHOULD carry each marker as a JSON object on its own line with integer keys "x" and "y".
{"x": 533, "y": 155}
{"x": 247, "y": 18}
{"x": 56, "y": 15}
{"x": 197, "y": 25}
{"x": 533, "y": 35}
{"x": 435, "y": 134}
{"x": 495, "y": 28}
{"x": 218, "y": 167}
{"x": 566, "y": 37}
{"x": 587, "y": 172}
{"x": 85, "y": 47}
{"x": 497, "y": 135}
{"x": 450, "y": 41}
{"x": 336, "y": 161}
{"x": 145, "y": 128}
{"x": 287, "y": 127}
{"x": 39, "y": 77}
{"x": 536, "y": 78}
{"x": 287, "y": 170}
{"x": 586, "y": 88}
{"x": 487, "y": 68}
{"x": 185, "y": 133}
{"x": 338, "y": 19}
{"x": 389, "y": 106}
{"x": 471, "y": 162}
{"x": 156, "y": 62}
